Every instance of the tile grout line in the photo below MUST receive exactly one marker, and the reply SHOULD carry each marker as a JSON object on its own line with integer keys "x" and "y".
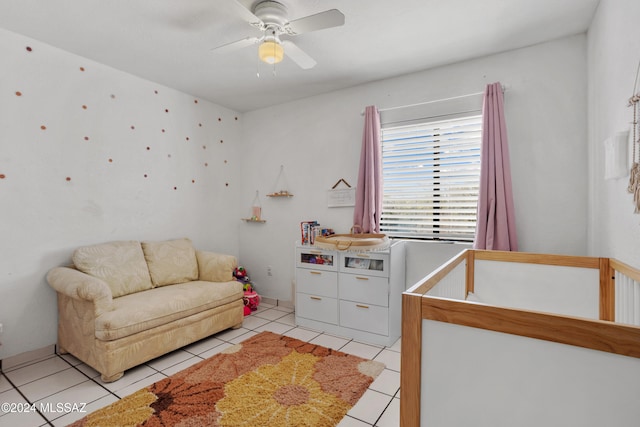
{"x": 25, "y": 398}
{"x": 98, "y": 382}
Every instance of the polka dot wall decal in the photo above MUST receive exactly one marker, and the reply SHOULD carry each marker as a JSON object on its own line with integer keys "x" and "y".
{"x": 204, "y": 147}
{"x": 86, "y": 138}
{"x": 206, "y": 164}
{"x": 225, "y": 162}
{"x": 236, "y": 118}
{"x": 113, "y": 96}
{"x": 175, "y": 188}
{"x": 163, "y": 131}
{"x": 84, "y": 107}
{"x": 81, "y": 68}
{"x": 200, "y": 124}
{"x": 219, "y": 119}
{"x": 29, "y": 49}
{"x": 169, "y": 156}
{"x": 187, "y": 138}
{"x": 221, "y": 142}
{"x": 146, "y": 176}
{"x": 148, "y": 148}
{"x": 193, "y": 181}
{"x": 166, "y": 110}
{"x": 68, "y": 178}
{"x": 18, "y": 93}
{"x": 110, "y": 160}
{"x": 195, "y": 101}
{"x": 2, "y": 176}
{"x": 226, "y": 184}
{"x": 43, "y": 127}
{"x": 132, "y": 127}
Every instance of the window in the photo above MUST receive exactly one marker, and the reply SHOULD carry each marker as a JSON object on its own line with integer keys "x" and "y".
{"x": 431, "y": 175}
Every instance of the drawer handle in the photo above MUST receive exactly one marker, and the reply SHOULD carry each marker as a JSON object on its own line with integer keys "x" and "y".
{"x": 316, "y": 298}
{"x": 315, "y": 272}
{"x": 362, "y": 278}
{"x": 362, "y": 306}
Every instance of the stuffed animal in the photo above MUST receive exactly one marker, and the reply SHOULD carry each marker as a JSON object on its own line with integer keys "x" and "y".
{"x": 251, "y": 300}
{"x": 240, "y": 273}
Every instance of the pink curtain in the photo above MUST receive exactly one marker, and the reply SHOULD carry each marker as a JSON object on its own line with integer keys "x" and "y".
{"x": 496, "y": 227}
{"x": 366, "y": 215}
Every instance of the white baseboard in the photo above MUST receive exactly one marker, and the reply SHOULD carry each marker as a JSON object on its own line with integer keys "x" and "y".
{"x": 275, "y": 301}
{"x": 27, "y": 358}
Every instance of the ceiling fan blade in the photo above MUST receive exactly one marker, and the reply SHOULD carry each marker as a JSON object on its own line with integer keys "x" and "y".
{"x": 245, "y": 13}
{"x": 239, "y": 44}
{"x": 319, "y": 21}
{"x": 297, "y": 55}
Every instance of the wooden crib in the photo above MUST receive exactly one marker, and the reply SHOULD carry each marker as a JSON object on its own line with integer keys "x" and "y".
{"x": 517, "y": 339}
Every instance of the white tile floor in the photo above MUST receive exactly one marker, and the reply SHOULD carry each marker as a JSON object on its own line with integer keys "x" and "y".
{"x": 65, "y": 380}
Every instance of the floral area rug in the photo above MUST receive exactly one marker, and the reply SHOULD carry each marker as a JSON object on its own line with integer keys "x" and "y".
{"x": 267, "y": 380}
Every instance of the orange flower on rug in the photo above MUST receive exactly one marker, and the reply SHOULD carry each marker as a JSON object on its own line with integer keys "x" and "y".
{"x": 267, "y": 380}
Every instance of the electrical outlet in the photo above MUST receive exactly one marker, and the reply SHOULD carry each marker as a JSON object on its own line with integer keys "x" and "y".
{"x": 269, "y": 270}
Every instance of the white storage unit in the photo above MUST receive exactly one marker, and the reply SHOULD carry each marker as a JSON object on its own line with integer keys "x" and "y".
{"x": 352, "y": 294}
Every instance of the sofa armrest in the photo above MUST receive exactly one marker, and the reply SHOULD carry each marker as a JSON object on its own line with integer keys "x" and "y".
{"x": 214, "y": 267}
{"x": 78, "y": 285}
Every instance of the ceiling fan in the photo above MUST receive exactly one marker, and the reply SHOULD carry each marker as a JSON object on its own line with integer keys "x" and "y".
{"x": 270, "y": 17}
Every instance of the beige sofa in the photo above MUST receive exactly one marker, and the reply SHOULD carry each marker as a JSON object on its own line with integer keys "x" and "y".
{"x": 124, "y": 303}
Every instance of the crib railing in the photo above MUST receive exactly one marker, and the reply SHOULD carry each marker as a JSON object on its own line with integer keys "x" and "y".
{"x": 627, "y": 293}
{"x": 616, "y": 330}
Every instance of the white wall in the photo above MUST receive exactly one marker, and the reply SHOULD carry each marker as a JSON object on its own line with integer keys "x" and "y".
{"x": 43, "y": 217}
{"x": 613, "y": 55}
{"x": 318, "y": 141}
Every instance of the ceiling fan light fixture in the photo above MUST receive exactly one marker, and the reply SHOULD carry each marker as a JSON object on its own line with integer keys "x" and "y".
{"x": 270, "y": 52}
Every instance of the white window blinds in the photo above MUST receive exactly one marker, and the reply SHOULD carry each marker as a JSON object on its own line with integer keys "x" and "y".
{"x": 431, "y": 174}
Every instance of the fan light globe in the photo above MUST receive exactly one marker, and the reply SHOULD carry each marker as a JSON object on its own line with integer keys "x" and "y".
{"x": 270, "y": 52}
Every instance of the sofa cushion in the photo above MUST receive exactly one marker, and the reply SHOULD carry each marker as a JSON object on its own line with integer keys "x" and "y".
{"x": 171, "y": 261}
{"x": 120, "y": 264}
{"x": 146, "y": 310}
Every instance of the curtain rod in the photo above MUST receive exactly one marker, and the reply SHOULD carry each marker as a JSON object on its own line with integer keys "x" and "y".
{"x": 504, "y": 88}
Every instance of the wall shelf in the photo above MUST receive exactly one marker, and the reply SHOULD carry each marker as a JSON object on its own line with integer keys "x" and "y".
{"x": 281, "y": 182}
{"x": 253, "y": 220}
{"x": 283, "y": 193}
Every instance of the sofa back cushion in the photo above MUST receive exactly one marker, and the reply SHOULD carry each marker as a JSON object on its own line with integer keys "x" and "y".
{"x": 171, "y": 262}
{"x": 120, "y": 264}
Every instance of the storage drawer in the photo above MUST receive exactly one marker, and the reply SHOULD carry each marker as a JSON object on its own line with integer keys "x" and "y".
{"x": 369, "y": 264}
{"x": 364, "y": 317}
{"x": 317, "y": 259}
{"x": 365, "y": 289}
{"x": 317, "y": 307}
{"x": 317, "y": 282}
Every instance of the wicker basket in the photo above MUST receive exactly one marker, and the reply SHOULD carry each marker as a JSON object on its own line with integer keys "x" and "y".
{"x": 354, "y": 241}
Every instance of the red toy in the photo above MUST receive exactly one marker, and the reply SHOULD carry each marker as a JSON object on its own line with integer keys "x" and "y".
{"x": 251, "y": 300}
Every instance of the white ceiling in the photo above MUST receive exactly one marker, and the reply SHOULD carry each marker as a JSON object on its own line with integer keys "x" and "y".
{"x": 170, "y": 41}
